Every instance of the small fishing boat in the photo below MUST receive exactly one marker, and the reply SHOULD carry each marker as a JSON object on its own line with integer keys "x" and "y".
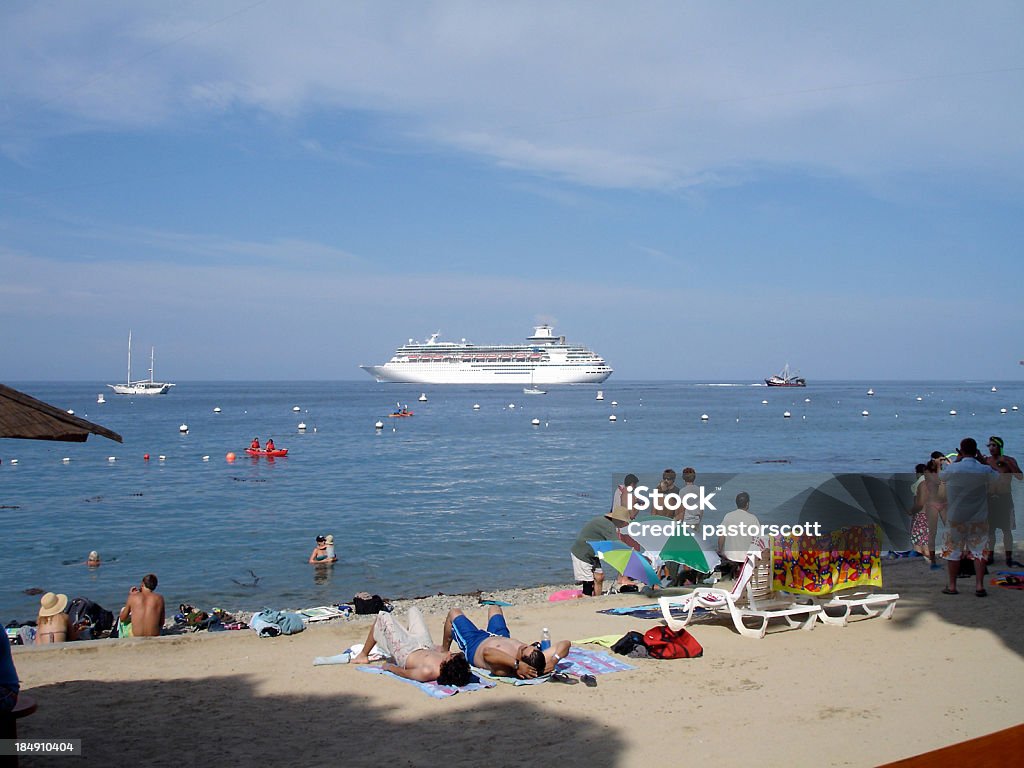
{"x": 785, "y": 379}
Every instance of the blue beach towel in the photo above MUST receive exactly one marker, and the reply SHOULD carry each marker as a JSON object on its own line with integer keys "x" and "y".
{"x": 433, "y": 689}
{"x": 652, "y": 611}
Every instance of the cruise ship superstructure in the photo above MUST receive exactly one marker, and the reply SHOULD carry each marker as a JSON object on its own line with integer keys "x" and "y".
{"x": 544, "y": 359}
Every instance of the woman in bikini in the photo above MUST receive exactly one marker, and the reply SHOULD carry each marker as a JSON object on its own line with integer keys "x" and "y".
{"x": 52, "y": 624}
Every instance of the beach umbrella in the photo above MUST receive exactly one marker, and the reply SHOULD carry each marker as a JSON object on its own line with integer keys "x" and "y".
{"x": 665, "y": 540}
{"x": 626, "y": 561}
{"x": 24, "y": 417}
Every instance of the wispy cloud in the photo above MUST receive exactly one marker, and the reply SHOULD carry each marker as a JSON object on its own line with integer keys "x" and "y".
{"x": 656, "y": 95}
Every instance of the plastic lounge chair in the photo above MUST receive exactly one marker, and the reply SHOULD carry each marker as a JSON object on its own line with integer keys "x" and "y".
{"x": 750, "y": 598}
{"x": 836, "y": 608}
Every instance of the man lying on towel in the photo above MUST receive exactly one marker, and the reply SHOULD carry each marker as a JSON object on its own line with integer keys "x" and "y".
{"x": 493, "y": 649}
{"x": 416, "y": 657}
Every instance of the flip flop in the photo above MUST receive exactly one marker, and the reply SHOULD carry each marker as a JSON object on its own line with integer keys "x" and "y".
{"x": 980, "y": 593}
{"x": 948, "y": 591}
{"x": 589, "y": 680}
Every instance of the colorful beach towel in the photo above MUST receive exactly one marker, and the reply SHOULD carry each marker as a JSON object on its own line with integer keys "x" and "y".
{"x": 583, "y": 661}
{"x": 433, "y": 689}
{"x": 1009, "y": 579}
{"x": 819, "y": 565}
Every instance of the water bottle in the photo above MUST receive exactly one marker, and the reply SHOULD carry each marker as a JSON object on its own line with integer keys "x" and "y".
{"x": 545, "y": 639}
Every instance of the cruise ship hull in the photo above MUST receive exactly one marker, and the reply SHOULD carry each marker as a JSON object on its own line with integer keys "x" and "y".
{"x": 458, "y": 374}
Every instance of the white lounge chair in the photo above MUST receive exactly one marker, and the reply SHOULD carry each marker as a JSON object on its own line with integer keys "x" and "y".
{"x": 749, "y": 599}
{"x": 836, "y": 608}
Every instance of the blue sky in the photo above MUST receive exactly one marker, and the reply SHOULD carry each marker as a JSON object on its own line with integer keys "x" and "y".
{"x": 271, "y": 190}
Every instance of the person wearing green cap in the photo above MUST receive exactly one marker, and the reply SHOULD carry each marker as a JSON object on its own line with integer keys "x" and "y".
{"x": 1000, "y": 499}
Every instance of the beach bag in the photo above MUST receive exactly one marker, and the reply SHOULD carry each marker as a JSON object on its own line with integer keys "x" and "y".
{"x": 625, "y": 644}
{"x": 663, "y": 643}
{"x": 98, "y": 619}
{"x": 365, "y": 603}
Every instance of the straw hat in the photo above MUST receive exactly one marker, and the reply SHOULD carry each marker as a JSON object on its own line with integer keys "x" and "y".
{"x": 51, "y": 604}
{"x": 620, "y": 515}
{"x": 330, "y": 539}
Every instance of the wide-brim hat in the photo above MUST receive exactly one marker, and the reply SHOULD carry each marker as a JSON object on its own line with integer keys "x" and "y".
{"x": 330, "y": 538}
{"x": 620, "y": 515}
{"x": 51, "y": 604}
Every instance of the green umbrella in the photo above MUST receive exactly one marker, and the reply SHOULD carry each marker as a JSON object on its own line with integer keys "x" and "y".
{"x": 664, "y": 539}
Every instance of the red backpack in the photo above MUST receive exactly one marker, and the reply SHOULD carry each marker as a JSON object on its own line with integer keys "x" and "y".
{"x": 663, "y": 643}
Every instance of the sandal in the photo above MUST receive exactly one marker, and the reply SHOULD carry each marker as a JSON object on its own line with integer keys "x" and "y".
{"x": 948, "y": 591}
{"x": 980, "y": 593}
{"x": 589, "y": 680}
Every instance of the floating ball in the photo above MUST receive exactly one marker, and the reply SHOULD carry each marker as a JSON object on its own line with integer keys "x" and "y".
{"x": 230, "y": 457}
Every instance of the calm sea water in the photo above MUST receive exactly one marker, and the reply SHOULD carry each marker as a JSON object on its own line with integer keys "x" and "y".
{"x": 453, "y": 499}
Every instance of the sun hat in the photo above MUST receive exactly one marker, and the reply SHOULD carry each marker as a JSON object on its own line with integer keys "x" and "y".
{"x": 94, "y": 555}
{"x": 51, "y": 604}
{"x": 620, "y": 514}
{"x": 330, "y": 538}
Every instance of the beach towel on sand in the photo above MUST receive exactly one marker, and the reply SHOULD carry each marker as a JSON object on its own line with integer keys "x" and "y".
{"x": 1009, "y": 579}
{"x": 652, "y": 611}
{"x": 583, "y": 661}
{"x": 433, "y": 689}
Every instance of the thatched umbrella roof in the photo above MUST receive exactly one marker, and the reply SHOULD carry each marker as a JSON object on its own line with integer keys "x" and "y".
{"x": 25, "y": 417}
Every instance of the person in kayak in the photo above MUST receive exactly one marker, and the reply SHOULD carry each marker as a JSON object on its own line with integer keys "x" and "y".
{"x": 270, "y": 445}
{"x": 255, "y": 444}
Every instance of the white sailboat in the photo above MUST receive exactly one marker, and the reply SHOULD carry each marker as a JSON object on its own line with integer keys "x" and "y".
{"x": 142, "y": 386}
{"x": 533, "y": 390}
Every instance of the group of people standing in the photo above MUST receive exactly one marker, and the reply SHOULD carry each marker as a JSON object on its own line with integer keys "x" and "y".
{"x": 971, "y": 496}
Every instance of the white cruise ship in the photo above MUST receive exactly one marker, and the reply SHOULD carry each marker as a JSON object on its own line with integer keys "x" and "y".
{"x": 544, "y": 359}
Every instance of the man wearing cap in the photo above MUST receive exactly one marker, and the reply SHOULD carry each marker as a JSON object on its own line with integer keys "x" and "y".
{"x": 1000, "y": 499}
{"x": 144, "y": 609}
{"x": 586, "y": 566}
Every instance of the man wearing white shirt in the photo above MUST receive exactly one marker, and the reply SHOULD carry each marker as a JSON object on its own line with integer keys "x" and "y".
{"x": 733, "y": 548}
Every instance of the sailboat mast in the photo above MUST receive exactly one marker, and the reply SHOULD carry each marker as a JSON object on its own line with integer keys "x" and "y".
{"x": 129, "y": 358}
{"x": 152, "y": 357}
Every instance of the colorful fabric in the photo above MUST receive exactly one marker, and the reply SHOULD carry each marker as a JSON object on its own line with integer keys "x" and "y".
{"x": 965, "y": 540}
{"x": 919, "y": 529}
{"x": 819, "y": 565}
{"x": 581, "y": 661}
{"x": 1009, "y": 579}
{"x": 434, "y": 689}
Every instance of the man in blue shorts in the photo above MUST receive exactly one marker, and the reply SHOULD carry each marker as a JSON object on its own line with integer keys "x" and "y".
{"x": 495, "y": 650}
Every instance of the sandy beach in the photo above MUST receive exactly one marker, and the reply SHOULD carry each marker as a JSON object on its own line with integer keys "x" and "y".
{"x": 944, "y": 669}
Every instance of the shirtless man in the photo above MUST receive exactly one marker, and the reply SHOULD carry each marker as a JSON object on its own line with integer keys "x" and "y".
{"x": 416, "y": 657}
{"x": 144, "y": 609}
{"x": 495, "y": 650}
{"x": 1000, "y": 499}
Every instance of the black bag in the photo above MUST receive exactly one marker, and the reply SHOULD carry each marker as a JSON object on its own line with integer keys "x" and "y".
{"x": 83, "y": 609}
{"x": 369, "y": 604}
{"x": 628, "y": 642}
